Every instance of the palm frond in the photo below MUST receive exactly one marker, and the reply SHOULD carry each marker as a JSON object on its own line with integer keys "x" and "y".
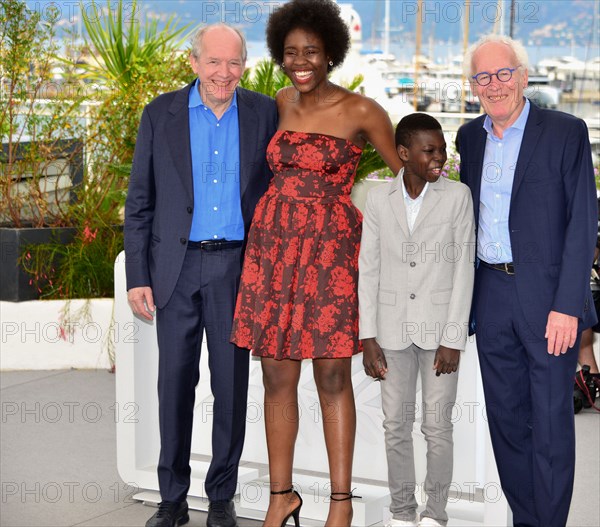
{"x": 123, "y": 53}
{"x": 265, "y": 78}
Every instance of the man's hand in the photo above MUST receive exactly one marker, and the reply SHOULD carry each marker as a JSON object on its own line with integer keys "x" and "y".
{"x": 374, "y": 359}
{"x": 446, "y": 360}
{"x": 561, "y": 332}
{"x": 141, "y": 301}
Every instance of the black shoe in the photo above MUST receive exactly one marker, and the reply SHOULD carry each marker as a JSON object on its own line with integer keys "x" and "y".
{"x": 296, "y": 512}
{"x": 169, "y": 514}
{"x": 221, "y": 514}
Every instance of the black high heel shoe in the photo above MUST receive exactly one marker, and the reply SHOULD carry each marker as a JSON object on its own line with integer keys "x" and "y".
{"x": 296, "y": 512}
{"x": 334, "y": 496}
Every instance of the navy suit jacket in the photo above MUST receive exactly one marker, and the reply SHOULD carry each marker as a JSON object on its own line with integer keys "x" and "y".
{"x": 160, "y": 199}
{"x": 553, "y": 214}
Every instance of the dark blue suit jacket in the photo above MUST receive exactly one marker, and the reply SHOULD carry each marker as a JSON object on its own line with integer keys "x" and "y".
{"x": 160, "y": 200}
{"x": 553, "y": 213}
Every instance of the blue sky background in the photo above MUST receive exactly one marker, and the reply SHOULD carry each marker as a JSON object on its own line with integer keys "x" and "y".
{"x": 558, "y": 26}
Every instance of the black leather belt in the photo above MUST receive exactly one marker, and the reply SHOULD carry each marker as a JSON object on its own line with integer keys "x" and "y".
{"x": 507, "y": 268}
{"x": 215, "y": 245}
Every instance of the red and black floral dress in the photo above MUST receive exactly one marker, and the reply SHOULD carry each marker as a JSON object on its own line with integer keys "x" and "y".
{"x": 298, "y": 291}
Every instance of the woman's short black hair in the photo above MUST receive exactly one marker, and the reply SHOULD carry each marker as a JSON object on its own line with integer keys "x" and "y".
{"x": 321, "y": 17}
{"x": 413, "y": 123}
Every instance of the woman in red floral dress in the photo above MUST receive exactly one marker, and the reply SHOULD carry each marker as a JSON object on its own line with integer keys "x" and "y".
{"x": 298, "y": 291}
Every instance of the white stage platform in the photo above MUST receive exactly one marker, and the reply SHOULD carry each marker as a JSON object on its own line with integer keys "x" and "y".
{"x": 475, "y": 497}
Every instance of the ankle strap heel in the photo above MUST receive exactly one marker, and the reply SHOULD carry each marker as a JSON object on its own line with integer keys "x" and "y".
{"x": 296, "y": 512}
{"x": 288, "y": 491}
{"x": 347, "y": 496}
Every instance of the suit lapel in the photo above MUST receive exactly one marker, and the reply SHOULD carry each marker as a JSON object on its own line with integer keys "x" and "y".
{"x": 476, "y": 167}
{"x": 531, "y": 134}
{"x": 430, "y": 201}
{"x": 178, "y": 138}
{"x": 396, "y": 198}
{"x": 248, "y": 124}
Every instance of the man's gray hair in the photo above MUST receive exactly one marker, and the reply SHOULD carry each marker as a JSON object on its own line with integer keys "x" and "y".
{"x": 199, "y": 35}
{"x": 515, "y": 45}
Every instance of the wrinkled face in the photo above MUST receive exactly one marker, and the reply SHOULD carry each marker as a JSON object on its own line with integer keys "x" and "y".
{"x": 426, "y": 155}
{"x": 502, "y": 101}
{"x": 219, "y": 66}
{"x": 304, "y": 59}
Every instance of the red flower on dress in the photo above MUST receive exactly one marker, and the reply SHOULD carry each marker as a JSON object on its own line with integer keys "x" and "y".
{"x": 327, "y": 319}
{"x": 290, "y": 186}
{"x": 300, "y": 217}
{"x": 264, "y": 317}
{"x": 270, "y": 250}
{"x": 306, "y": 345}
{"x": 284, "y": 320}
{"x": 252, "y": 271}
{"x": 270, "y": 341}
{"x": 340, "y": 220}
{"x": 311, "y": 281}
{"x": 298, "y": 317}
{"x": 341, "y": 282}
{"x": 276, "y": 280}
{"x": 310, "y": 154}
{"x": 328, "y": 254}
{"x": 290, "y": 253}
{"x": 341, "y": 343}
{"x": 306, "y": 254}
{"x": 244, "y": 337}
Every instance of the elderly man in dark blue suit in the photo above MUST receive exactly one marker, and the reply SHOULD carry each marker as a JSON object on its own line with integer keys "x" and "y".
{"x": 530, "y": 172}
{"x": 198, "y": 171}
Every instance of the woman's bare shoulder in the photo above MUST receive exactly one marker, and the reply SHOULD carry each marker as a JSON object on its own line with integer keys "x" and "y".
{"x": 286, "y": 95}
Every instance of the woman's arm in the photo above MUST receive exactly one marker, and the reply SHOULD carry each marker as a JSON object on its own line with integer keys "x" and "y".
{"x": 377, "y": 129}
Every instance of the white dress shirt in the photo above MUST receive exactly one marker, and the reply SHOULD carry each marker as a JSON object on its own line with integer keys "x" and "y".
{"x": 413, "y": 206}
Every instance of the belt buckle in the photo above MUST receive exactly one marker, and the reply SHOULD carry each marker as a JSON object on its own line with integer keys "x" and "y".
{"x": 208, "y": 245}
{"x": 507, "y": 270}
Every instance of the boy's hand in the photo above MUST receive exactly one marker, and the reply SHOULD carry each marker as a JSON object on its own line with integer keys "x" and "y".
{"x": 374, "y": 359}
{"x": 446, "y": 360}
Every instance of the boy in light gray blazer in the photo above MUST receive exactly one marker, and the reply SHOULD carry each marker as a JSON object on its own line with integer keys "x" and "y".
{"x": 416, "y": 275}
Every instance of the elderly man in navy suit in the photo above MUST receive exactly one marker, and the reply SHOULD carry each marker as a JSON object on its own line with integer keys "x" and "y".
{"x": 198, "y": 171}
{"x": 531, "y": 176}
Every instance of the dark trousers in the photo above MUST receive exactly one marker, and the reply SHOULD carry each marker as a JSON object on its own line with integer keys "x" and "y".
{"x": 529, "y": 404}
{"x": 204, "y": 299}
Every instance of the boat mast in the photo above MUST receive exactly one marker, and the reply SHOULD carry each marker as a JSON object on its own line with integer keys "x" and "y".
{"x": 498, "y": 22}
{"x": 417, "y": 55}
{"x": 512, "y": 18}
{"x": 386, "y": 29}
{"x": 464, "y": 81}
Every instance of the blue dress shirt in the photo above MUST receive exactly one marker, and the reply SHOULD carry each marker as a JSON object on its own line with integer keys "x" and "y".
{"x": 499, "y": 162}
{"x": 215, "y": 147}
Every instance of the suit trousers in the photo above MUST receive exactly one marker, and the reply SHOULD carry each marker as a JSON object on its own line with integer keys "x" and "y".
{"x": 398, "y": 399}
{"x": 203, "y": 300}
{"x": 529, "y": 405}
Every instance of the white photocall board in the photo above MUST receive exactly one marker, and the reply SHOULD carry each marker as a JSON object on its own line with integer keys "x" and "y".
{"x": 475, "y": 497}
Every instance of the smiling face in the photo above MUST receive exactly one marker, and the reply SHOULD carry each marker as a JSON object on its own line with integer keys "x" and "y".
{"x": 426, "y": 155}
{"x": 219, "y": 66}
{"x": 304, "y": 59}
{"x": 502, "y": 101}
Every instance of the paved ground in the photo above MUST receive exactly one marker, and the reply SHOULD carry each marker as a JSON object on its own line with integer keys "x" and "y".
{"x": 58, "y": 456}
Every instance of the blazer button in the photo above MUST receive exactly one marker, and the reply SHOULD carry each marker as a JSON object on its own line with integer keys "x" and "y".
{"x": 189, "y": 209}
{"x": 412, "y": 264}
{"x": 182, "y": 241}
{"x": 412, "y": 296}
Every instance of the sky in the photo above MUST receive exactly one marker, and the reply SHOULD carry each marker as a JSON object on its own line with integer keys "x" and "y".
{"x": 566, "y": 25}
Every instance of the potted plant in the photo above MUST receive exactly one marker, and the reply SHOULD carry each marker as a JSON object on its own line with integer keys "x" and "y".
{"x": 67, "y": 144}
{"x": 41, "y": 160}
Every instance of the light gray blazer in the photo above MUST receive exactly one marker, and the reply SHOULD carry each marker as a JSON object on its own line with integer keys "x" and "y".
{"x": 417, "y": 288}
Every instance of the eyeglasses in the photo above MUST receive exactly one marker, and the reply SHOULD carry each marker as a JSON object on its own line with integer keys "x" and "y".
{"x": 503, "y": 75}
